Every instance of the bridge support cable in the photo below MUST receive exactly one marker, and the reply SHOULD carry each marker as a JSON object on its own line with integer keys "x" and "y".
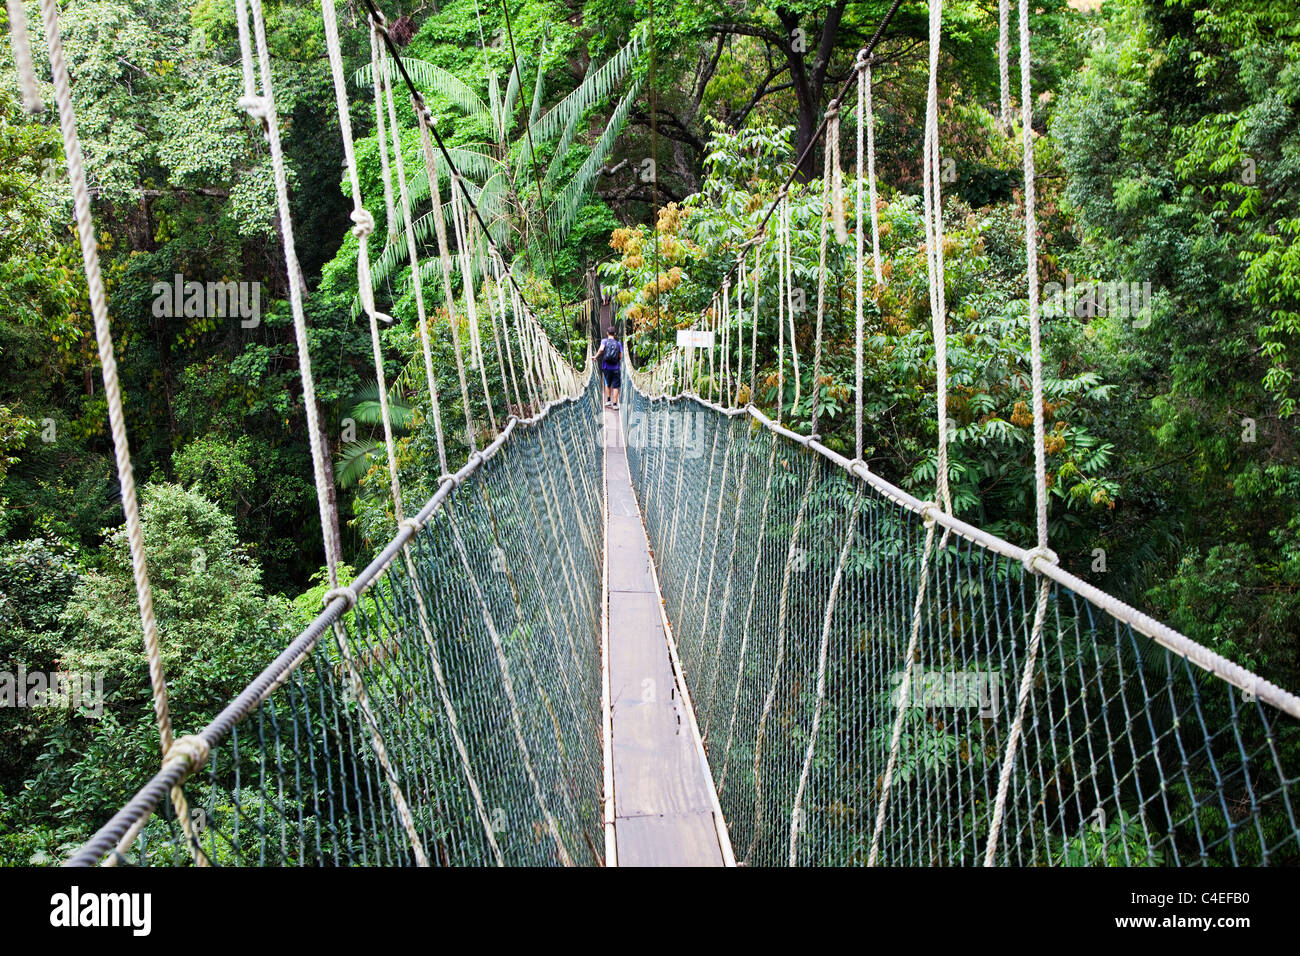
{"x": 1041, "y": 552}
{"x": 364, "y": 227}
{"x": 262, "y": 106}
{"x": 388, "y": 133}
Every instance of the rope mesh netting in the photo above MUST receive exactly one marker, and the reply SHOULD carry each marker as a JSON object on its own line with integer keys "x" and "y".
{"x": 507, "y": 566}
{"x": 791, "y": 584}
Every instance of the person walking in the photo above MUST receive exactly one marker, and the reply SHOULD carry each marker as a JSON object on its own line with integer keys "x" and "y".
{"x": 610, "y": 357}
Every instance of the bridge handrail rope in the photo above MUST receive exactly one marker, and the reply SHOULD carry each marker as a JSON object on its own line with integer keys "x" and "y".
{"x": 218, "y": 730}
{"x": 557, "y": 384}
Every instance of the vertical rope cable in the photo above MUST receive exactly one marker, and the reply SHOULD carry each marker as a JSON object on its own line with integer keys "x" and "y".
{"x": 471, "y": 302}
{"x": 858, "y": 324}
{"x": 1004, "y": 69}
{"x": 1041, "y": 551}
{"x": 934, "y": 258}
{"x": 425, "y": 119}
{"x": 22, "y": 47}
{"x": 864, "y": 90}
{"x": 934, "y": 274}
{"x": 380, "y": 81}
{"x": 789, "y": 305}
{"x": 832, "y": 209}
{"x": 263, "y": 107}
{"x": 384, "y": 104}
{"x": 364, "y": 226}
{"x": 195, "y": 754}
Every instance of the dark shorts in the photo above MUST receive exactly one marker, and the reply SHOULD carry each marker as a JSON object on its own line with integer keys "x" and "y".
{"x": 613, "y": 377}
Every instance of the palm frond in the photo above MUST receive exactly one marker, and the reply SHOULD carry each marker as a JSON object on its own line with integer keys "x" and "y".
{"x": 556, "y": 166}
{"x": 523, "y": 150}
{"x": 595, "y": 87}
{"x": 538, "y": 87}
{"x": 366, "y": 409}
{"x": 511, "y": 102}
{"x": 353, "y": 462}
{"x": 494, "y": 103}
{"x": 430, "y": 78}
{"x": 561, "y": 213}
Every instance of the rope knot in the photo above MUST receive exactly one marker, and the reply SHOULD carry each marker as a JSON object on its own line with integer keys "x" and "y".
{"x": 415, "y": 524}
{"x": 863, "y": 61}
{"x": 347, "y": 592}
{"x": 443, "y": 479}
{"x": 193, "y": 749}
{"x": 378, "y": 20}
{"x": 1034, "y": 555}
{"x": 929, "y": 512}
{"x": 258, "y": 107}
{"x": 365, "y": 222}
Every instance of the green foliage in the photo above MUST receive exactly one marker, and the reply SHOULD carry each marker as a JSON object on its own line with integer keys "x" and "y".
{"x": 1179, "y": 141}
{"x": 666, "y": 278}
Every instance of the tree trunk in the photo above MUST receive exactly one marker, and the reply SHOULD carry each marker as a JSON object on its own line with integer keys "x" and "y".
{"x": 809, "y": 79}
{"x": 331, "y": 491}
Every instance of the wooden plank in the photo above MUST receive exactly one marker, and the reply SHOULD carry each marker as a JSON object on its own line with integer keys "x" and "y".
{"x": 681, "y": 839}
{"x": 629, "y": 557}
{"x": 664, "y": 806}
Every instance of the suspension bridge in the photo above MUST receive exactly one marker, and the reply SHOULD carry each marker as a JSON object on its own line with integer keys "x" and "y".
{"x": 678, "y": 631}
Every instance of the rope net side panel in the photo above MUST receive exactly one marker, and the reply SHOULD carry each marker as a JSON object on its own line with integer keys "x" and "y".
{"x": 791, "y": 585}
{"x": 509, "y": 576}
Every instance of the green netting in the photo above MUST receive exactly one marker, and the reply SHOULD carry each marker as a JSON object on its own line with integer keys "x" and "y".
{"x": 1130, "y": 755}
{"x": 508, "y": 569}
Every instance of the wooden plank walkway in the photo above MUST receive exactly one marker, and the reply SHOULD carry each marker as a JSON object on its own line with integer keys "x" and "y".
{"x": 664, "y": 810}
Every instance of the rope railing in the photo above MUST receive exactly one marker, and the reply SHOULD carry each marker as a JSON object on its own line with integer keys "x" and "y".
{"x": 839, "y": 683}
{"x": 792, "y": 590}
{"x": 293, "y": 778}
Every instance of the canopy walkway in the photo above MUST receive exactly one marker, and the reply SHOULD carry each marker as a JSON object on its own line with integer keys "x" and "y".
{"x": 682, "y": 633}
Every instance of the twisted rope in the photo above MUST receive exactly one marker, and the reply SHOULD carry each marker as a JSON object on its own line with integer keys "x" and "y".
{"x": 263, "y": 106}
{"x": 363, "y": 228}
{"x": 22, "y": 46}
{"x": 938, "y": 319}
{"x": 1040, "y": 450}
{"x": 832, "y": 209}
{"x": 113, "y": 396}
{"x": 1004, "y": 70}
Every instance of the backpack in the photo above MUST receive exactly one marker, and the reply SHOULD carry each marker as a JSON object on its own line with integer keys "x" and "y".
{"x": 611, "y": 353}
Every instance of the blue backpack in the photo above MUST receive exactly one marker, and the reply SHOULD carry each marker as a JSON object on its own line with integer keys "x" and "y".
{"x": 611, "y": 353}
